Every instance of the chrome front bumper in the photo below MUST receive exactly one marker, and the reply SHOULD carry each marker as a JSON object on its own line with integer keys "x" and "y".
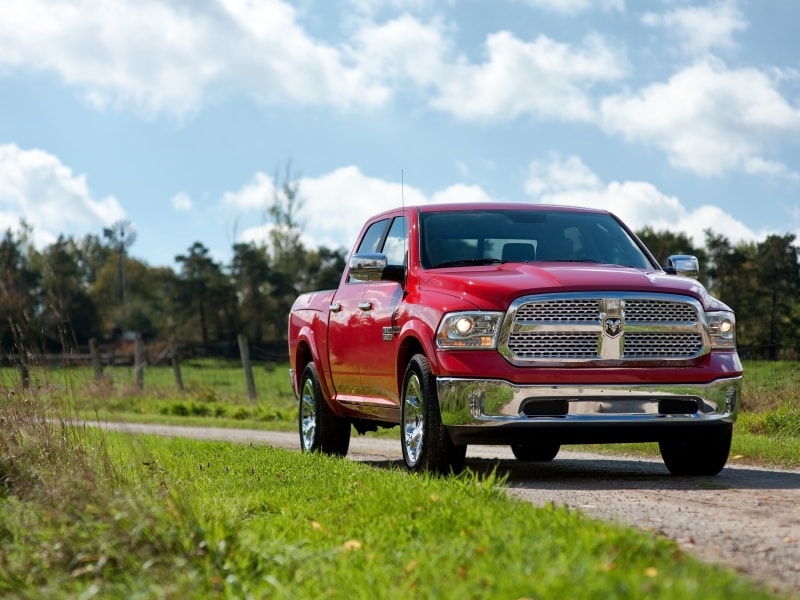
{"x": 481, "y": 403}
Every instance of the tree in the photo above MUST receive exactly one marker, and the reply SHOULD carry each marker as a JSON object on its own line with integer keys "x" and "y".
{"x": 205, "y": 291}
{"x": 18, "y": 282}
{"x": 665, "y": 243}
{"x": 288, "y": 256}
{"x": 324, "y": 268}
{"x": 69, "y": 316}
{"x": 779, "y": 281}
{"x": 251, "y": 273}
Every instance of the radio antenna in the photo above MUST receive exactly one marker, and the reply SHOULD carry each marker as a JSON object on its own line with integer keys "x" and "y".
{"x": 403, "y": 201}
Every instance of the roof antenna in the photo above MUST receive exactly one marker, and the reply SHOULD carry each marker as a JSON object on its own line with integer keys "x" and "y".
{"x": 403, "y": 201}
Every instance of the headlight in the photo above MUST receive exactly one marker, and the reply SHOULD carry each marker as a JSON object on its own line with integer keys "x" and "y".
{"x": 722, "y": 329}
{"x": 469, "y": 330}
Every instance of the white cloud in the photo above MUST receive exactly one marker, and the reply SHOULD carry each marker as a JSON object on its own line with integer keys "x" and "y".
{"x": 573, "y": 7}
{"x": 335, "y": 205}
{"x": 699, "y": 29}
{"x": 460, "y": 192}
{"x": 709, "y": 119}
{"x": 542, "y": 77}
{"x": 171, "y": 57}
{"x": 370, "y": 7}
{"x": 38, "y": 187}
{"x": 181, "y": 202}
{"x": 570, "y": 182}
{"x": 257, "y": 194}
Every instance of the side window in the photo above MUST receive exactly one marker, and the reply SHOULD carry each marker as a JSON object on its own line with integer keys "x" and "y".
{"x": 372, "y": 238}
{"x": 396, "y": 242}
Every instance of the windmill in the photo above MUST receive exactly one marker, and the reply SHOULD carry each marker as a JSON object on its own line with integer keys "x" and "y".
{"x": 121, "y": 235}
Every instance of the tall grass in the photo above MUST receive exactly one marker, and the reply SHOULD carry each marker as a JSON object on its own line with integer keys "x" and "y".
{"x": 85, "y": 514}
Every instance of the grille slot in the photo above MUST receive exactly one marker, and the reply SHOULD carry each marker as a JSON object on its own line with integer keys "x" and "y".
{"x": 562, "y": 327}
{"x": 564, "y": 311}
{"x": 672, "y": 345}
{"x": 659, "y": 311}
{"x": 554, "y": 345}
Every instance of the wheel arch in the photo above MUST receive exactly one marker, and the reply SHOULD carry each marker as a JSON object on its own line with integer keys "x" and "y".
{"x": 306, "y": 352}
{"x": 409, "y": 346}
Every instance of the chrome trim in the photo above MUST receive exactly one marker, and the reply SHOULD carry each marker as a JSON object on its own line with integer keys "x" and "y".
{"x": 492, "y": 402}
{"x": 684, "y": 265}
{"x": 604, "y": 329}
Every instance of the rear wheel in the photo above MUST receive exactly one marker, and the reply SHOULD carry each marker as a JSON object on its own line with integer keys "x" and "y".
{"x": 426, "y": 443}
{"x": 320, "y": 429}
{"x": 694, "y": 455}
{"x": 535, "y": 452}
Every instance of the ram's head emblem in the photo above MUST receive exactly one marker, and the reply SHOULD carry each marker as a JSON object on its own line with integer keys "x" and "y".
{"x": 612, "y": 327}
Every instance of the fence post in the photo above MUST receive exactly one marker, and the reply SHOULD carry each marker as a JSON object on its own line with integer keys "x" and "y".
{"x": 138, "y": 361}
{"x": 176, "y": 365}
{"x": 95, "y": 353}
{"x": 244, "y": 352}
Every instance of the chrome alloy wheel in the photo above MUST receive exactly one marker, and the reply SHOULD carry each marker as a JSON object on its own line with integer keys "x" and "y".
{"x": 413, "y": 420}
{"x": 308, "y": 415}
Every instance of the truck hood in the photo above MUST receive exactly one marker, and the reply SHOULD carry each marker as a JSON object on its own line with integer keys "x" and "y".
{"x": 493, "y": 287}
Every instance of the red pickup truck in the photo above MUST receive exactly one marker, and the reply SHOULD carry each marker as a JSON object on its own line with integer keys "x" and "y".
{"x": 527, "y": 325}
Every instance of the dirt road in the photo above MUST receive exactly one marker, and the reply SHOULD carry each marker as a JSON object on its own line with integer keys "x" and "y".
{"x": 745, "y": 517}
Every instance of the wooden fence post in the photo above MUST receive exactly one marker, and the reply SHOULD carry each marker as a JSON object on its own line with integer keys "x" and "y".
{"x": 138, "y": 361}
{"x": 95, "y": 354}
{"x": 244, "y": 352}
{"x": 176, "y": 365}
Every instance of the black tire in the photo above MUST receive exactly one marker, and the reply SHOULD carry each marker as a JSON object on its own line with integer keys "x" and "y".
{"x": 320, "y": 429}
{"x": 426, "y": 443}
{"x": 535, "y": 452}
{"x": 695, "y": 455}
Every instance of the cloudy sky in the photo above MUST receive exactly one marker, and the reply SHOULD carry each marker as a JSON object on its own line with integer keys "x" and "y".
{"x": 178, "y": 114}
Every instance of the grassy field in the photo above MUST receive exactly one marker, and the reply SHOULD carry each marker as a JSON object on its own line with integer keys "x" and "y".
{"x": 148, "y": 517}
{"x": 89, "y": 514}
{"x": 767, "y": 433}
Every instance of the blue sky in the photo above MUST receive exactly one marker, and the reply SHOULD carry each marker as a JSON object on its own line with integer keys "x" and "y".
{"x": 178, "y": 114}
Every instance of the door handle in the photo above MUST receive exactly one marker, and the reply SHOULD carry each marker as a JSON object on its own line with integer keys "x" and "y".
{"x": 335, "y": 307}
{"x": 365, "y": 305}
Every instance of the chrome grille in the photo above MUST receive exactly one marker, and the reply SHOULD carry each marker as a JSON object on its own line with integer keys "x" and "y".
{"x": 560, "y": 310}
{"x": 671, "y": 345}
{"x": 572, "y": 328}
{"x": 554, "y": 345}
{"x": 659, "y": 311}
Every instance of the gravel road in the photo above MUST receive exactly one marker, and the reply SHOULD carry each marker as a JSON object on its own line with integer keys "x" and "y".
{"x": 745, "y": 517}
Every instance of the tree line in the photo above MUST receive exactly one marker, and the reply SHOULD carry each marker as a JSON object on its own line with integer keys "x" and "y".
{"x": 58, "y": 298}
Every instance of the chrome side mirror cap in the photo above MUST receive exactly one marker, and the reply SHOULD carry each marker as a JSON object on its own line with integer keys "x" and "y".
{"x": 375, "y": 267}
{"x": 684, "y": 265}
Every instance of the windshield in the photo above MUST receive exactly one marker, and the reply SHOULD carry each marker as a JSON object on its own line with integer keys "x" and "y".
{"x": 467, "y": 238}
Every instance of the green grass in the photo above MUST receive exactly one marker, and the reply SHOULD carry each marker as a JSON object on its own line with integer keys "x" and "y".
{"x": 90, "y": 514}
{"x": 767, "y": 433}
{"x": 214, "y": 392}
{"x": 147, "y": 517}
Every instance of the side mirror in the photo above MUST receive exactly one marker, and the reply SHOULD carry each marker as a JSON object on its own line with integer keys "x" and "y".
{"x": 684, "y": 265}
{"x": 375, "y": 267}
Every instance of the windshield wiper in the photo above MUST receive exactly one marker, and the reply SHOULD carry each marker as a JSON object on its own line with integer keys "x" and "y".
{"x": 465, "y": 262}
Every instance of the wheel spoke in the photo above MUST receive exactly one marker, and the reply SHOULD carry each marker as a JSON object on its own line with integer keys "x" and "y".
{"x": 308, "y": 418}
{"x": 413, "y": 420}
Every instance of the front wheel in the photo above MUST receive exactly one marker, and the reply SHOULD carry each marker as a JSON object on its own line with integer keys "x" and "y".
{"x": 535, "y": 452}
{"x": 320, "y": 429}
{"x": 704, "y": 455}
{"x": 426, "y": 443}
